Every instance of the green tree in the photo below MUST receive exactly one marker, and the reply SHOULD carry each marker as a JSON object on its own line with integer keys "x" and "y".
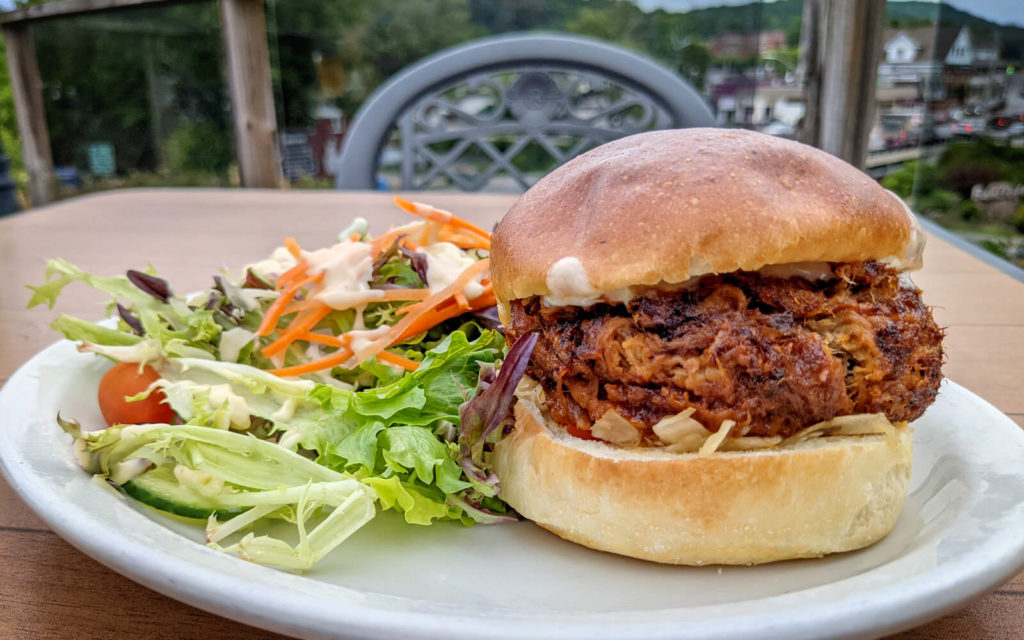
{"x": 406, "y": 31}
{"x": 8, "y": 123}
{"x": 305, "y": 34}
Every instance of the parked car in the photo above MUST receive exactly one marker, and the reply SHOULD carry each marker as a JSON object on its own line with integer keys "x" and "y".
{"x": 1006, "y": 126}
{"x": 968, "y": 127}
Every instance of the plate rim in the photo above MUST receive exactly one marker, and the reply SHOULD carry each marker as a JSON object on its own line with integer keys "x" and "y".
{"x": 894, "y": 608}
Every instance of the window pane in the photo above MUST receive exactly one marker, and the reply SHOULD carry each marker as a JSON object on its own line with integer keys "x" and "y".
{"x": 950, "y": 131}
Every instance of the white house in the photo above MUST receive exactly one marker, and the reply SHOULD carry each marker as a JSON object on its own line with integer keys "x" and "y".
{"x": 943, "y": 62}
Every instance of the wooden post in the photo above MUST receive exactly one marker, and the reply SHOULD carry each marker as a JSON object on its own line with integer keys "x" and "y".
{"x": 243, "y": 24}
{"x": 27, "y": 89}
{"x": 840, "y": 48}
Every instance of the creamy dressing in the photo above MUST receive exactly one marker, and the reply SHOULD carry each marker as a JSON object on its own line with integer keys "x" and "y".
{"x": 233, "y": 341}
{"x": 347, "y": 268}
{"x": 912, "y": 258}
{"x": 362, "y": 338}
{"x": 445, "y": 263}
{"x": 199, "y": 481}
{"x": 811, "y": 271}
{"x": 237, "y": 413}
{"x": 570, "y": 285}
{"x": 286, "y": 412}
{"x": 221, "y": 396}
{"x": 280, "y": 260}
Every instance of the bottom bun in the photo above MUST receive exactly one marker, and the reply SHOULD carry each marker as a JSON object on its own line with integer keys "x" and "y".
{"x": 819, "y": 496}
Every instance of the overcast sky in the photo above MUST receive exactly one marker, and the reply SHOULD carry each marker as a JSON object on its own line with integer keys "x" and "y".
{"x": 998, "y": 11}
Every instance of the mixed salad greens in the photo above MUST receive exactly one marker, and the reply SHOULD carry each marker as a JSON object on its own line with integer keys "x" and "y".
{"x": 314, "y": 388}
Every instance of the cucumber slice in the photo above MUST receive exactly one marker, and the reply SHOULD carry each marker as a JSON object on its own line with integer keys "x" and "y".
{"x": 159, "y": 489}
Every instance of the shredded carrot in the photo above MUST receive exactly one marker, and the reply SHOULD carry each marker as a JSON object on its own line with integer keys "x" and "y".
{"x": 276, "y": 309}
{"x": 300, "y": 305}
{"x": 463, "y": 240}
{"x": 429, "y": 233}
{"x": 295, "y": 272}
{"x": 383, "y": 241}
{"x": 486, "y": 299}
{"x": 293, "y": 248}
{"x": 421, "y": 308}
{"x": 397, "y": 360}
{"x": 430, "y": 310}
{"x": 403, "y": 294}
{"x": 438, "y": 215}
{"x": 331, "y": 341}
{"x": 337, "y": 358}
{"x": 428, "y": 320}
{"x": 300, "y": 325}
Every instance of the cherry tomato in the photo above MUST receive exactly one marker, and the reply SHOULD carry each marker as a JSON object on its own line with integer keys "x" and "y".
{"x": 124, "y": 380}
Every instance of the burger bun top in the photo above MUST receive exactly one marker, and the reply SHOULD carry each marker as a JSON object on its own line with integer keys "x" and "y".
{"x": 665, "y": 206}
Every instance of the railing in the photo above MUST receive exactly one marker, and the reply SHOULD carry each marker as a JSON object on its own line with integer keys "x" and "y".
{"x": 839, "y": 51}
{"x": 244, "y": 30}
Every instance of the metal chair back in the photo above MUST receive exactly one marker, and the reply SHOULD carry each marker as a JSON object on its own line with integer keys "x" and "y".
{"x": 500, "y": 112}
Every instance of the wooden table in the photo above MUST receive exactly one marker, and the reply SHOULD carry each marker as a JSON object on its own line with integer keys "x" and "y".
{"x": 50, "y": 590}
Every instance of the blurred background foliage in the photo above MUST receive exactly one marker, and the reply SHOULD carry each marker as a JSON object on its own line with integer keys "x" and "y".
{"x": 940, "y": 189}
{"x": 150, "y": 81}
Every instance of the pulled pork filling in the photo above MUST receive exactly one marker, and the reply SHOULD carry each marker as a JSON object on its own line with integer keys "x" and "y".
{"x": 773, "y": 354}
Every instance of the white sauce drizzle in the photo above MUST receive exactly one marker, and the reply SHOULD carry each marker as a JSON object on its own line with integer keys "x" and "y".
{"x": 280, "y": 260}
{"x": 233, "y": 341}
{"x": 286, "y": 412}
{"x": 347, "y": 268}
{"x": 812, "y": 271}
{"x": 237, "y": 414}
{"x": 570, "y": 285}
{"x": 361, "y": 338}
{"x": 912, "y": 258}
{"x": 445, "y": 263}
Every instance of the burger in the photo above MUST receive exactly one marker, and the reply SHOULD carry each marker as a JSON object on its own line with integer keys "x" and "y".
{"x": 729, "y": 350}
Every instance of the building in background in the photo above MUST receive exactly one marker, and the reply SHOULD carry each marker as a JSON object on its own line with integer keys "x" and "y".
{"x": 737, "y": 46}
{"x": 951, "y": 66}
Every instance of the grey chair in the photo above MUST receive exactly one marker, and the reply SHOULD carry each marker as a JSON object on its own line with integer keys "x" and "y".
{"x": 500, "y": 112}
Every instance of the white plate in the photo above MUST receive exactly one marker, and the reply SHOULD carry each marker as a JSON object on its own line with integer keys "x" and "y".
{"x": 959, "y": 535}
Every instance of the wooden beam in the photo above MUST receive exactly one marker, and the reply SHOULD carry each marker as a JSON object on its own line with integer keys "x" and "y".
{"x": 75, "y": 7}
{"x": 27, "y": 89}
{"x": 244, "y": 27}
{"x": 840, "y": 48}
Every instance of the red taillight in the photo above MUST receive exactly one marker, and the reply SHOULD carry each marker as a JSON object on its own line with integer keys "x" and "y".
{"x": 1002, "y": 122}
{"x": 903, "y": 134}
{"x": 968, "y": 128}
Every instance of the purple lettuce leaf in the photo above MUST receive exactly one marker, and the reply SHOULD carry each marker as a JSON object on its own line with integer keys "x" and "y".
{"x": 154, "y": 286}
{"x": 489, "y": 408}
{"x": 418, "y": 262}
{"x": 130, "y": 319}
{"x": 488, "y": 317}
{"x": 478, "y": 513}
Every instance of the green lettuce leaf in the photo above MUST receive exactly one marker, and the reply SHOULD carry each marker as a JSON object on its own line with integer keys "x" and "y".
{"x": 229, "y": 471}
{"x": 81, "y": 330}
